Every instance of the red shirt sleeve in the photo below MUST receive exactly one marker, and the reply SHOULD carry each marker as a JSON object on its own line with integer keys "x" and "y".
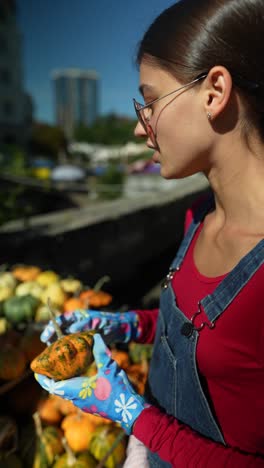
{"x": 147, "y": 325}
{"x": 179, "y": 445}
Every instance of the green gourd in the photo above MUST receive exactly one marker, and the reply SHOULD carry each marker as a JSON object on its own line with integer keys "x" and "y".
{"x": 49, "y": 444}
{"x": 103, "y": 440}
{"x": 20, "y": 309}
{"x": 83, "y": 460}
{"x": 140, "y": 352}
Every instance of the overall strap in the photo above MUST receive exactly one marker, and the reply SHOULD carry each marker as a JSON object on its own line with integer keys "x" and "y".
{"x": 214, "y": 304}
{"x": 199, "y": 215}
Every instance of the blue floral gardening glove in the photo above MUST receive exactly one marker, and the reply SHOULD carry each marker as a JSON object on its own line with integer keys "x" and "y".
{"x": 108, "y": 393}
{"x": 120, "y": 327}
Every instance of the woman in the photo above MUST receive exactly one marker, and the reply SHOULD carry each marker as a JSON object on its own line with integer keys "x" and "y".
{"x": 202, "y": 79}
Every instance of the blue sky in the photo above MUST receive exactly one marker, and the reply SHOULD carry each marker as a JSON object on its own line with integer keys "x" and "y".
{"x": 90, "y": 34}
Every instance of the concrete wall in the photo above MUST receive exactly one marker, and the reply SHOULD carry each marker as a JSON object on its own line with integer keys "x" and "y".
{"x": 132, "y": 241}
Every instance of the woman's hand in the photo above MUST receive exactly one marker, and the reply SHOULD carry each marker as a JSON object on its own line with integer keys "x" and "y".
{"x": 108, "y": 393}
{"x": 119, "y": 327}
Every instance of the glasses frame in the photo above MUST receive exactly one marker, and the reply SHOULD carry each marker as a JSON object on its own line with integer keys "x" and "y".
{"x": 139, "y": 108}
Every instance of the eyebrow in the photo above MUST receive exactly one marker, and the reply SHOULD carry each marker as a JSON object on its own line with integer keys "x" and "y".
{"x": 145, "y": 87}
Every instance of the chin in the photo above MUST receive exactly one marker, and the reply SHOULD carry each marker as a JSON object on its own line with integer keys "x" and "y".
{"x": 169, "y": 174}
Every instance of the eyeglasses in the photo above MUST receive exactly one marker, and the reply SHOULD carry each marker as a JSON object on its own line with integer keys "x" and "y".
{"x": 144, "y": 112}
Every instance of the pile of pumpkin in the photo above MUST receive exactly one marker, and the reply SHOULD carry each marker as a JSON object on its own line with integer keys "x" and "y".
{"x": 62, "y": 436}
{"x": 83, "y": 439}
{"x": 67, "y": 437}
{"x": 24, "y": 293}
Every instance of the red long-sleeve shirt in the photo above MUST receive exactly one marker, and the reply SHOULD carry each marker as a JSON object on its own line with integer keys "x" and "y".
{"x": 230, "y": 359}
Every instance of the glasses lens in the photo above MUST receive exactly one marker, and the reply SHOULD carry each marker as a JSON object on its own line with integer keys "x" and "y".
{"x": 142, "y": 120}
{"x": 144, "y": 116}
{"x": 147, "y": 112}
{"x": 151, "y": 134}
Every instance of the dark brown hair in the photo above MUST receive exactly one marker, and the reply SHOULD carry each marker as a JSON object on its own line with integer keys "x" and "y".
{"x": 192, "y": 36}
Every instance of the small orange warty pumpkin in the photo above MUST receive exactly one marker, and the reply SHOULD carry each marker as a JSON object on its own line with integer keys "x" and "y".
{"x": 68, "y": 357}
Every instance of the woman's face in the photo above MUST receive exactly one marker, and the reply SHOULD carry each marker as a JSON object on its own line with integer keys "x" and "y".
{"x": 179, "y": 122}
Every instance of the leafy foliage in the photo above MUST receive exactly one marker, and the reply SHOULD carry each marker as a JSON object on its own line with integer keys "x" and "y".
{"x": 111, "y": 183}
{"x": 47, "y": 139}
{"x": 9, "y": 209}
{"x": 108, "y": 130}
{"x": 14, "y": 160}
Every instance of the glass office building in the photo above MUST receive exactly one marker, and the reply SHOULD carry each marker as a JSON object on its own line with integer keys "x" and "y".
{"x": 76, "y": 98}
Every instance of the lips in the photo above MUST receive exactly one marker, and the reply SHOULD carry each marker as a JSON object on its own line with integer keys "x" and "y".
{"x": 155, "y": 157}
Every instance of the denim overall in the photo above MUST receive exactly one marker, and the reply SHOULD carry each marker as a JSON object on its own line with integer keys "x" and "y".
{"x": 174, "y": 383}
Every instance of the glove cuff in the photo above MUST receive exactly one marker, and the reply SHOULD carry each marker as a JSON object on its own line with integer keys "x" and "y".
{"x": 127, "y": 423}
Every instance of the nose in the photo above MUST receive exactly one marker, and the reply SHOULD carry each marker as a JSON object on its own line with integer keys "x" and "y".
{"x": 140, "y": 131}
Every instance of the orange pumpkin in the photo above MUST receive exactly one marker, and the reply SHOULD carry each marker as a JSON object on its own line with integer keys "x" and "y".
{"x": 137, "y": 374}
{"x": 48, "y": 411}
{"x": 78, "y": 430}
{"x": 93, "y": 298}
{"x": 74, "y": 303}
{"x": 121, "y": 357}
{"x": 85, "y": 295}
{"x": 98, "y": 420}
{"x": 68, "y": 357}
{"x": 26, "y": 272}
{"x": 65, "y": 407}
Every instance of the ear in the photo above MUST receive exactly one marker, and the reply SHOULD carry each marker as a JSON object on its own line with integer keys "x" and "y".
{"x": 218, "y": 88}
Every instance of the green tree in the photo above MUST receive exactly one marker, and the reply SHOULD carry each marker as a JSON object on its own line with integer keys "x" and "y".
{"x": 15, "y": 160}
{"x": 108, "y": 130}
{"x": 47, "y": 139}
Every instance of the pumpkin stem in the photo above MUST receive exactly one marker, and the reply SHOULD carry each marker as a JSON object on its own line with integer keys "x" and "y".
{"x": 101, "y": 282}
{"x": 71, "y": 459}
{"x": 119, "y": 438}
{"x": 53, "y": 319}
{"x": 38, "y": 425}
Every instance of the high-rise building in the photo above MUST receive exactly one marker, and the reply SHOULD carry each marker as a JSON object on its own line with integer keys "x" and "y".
{"x": 76, "y": 98}
{"x": 16, "y": 108}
